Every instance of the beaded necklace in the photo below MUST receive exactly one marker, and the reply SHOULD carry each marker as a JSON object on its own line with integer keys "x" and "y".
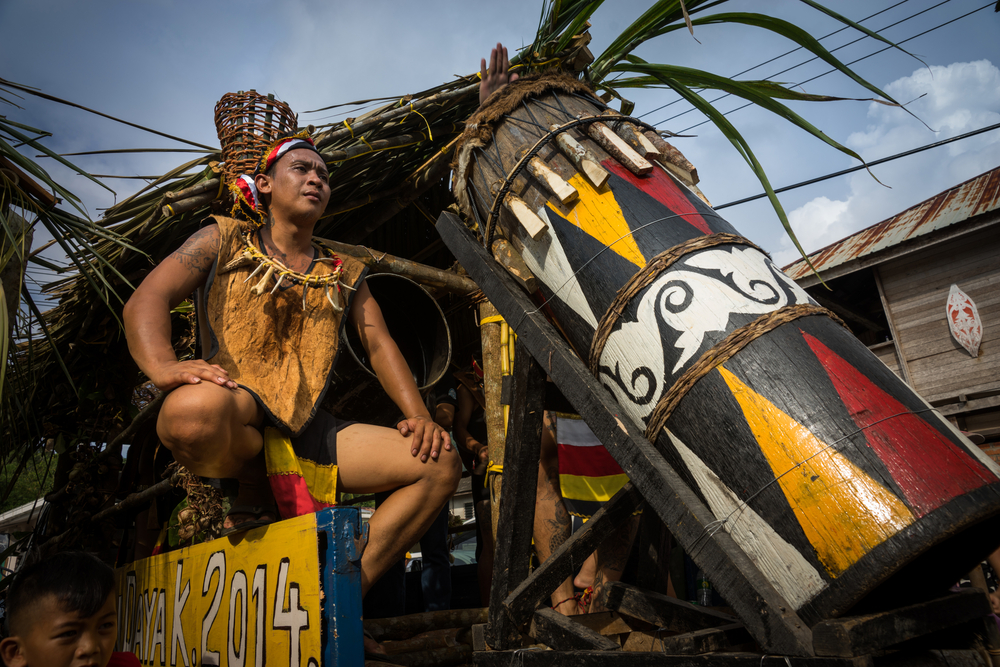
{"x": 274, "y": 268}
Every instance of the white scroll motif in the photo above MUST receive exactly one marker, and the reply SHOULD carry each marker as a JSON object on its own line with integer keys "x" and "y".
{"x": 738, "y": 280}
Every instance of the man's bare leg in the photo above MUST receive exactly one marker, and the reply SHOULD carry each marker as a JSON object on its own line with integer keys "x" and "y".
{"x": 552, "y": 523}
{"x": 484, "y": 566}
{"x": 371, "y": 459}
{"x": 612, "y": 554}
{"x": 212, "y": 431}
{"x": 588, "y": 571}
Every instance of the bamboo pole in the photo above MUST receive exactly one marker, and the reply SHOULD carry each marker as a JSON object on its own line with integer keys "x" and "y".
{"x": 403, "y": 627}
{"x": 211, "y": 185}
{"x": 364, "y": 125}
{"x": 381, "y": 144}
{"x": 424, "y": 642}
{"x": 140, "y": 498}
{"x": 379, "y": 262}
{"x": 442, "y": 657}
{"x": 493, "y": 355}
{"x": 422, "y": 178}
{"x": 189, "y": 204}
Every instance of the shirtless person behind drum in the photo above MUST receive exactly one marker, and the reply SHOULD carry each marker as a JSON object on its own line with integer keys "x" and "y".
{"x": 215, "y": 427}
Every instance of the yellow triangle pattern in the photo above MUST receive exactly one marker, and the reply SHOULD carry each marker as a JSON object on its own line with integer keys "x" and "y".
{"x": 843, "y": 512}
{"x": 598, "y": 214}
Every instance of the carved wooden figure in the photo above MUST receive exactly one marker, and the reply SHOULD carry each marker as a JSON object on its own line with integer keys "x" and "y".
{"x": 829, "y": 472}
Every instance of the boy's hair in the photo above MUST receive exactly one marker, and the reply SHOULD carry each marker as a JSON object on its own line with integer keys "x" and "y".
{"x": 80, "y": 581}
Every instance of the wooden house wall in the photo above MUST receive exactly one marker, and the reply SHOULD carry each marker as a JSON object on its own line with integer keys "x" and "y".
{"x": 886, "y": 352}
{"x": 916, "y": 288}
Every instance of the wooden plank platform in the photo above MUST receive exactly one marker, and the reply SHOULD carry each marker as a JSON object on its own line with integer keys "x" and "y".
{"x": 563, "y": 633}
{"x": 542, "y": 658}
{"x": 661, "y": 610}
{"x": 711, "y": 640}
{"x": 860, "y": 635}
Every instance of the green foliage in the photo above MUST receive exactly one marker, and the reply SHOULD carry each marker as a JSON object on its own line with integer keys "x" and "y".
{"x": 31, "y": 483}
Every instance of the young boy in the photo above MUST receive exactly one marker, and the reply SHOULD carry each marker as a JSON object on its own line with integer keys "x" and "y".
{"x": 61, "y": 613}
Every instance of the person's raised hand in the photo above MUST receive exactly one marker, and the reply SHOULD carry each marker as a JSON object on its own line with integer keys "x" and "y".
{"x": 496, "y": 76}
{"x": 428, "y": 438}
{"x": 174, "y": 374}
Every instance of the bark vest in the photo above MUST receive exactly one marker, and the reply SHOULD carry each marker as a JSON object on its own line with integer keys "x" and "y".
{"x": 277, "y": 349}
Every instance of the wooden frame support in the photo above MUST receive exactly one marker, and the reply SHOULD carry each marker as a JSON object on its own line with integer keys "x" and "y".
{"x": 562, "y": 633}
{"x": 533, "y": 658}
{"x": 570, "y": 555}
{"x": 661, "y": 610}
{"x": 654, "y": 554}
{"x": 517, "y": 498}
{"x": 766, "y": 614}
{"x": 860, "y": 635}
{"x": 709, "y": 640}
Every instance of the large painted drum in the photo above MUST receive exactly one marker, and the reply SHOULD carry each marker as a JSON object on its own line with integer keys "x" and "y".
{"x": 845, "y": 488}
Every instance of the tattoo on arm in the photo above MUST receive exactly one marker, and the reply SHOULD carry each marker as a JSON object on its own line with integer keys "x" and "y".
{"x": 200, "y": 250}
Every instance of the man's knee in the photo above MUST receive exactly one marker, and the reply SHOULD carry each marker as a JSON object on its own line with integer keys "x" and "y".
{"x": 191, "y": 418}
{"x": 448, "y": 470}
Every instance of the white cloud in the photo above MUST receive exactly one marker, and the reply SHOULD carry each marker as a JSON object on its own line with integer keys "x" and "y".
{"x": 951, "y": 100}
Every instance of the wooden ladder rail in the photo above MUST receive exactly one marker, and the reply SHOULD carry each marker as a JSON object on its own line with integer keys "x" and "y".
{"x": 766, "y": 614}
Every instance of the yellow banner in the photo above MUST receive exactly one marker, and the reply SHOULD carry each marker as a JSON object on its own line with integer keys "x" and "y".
{"x": 247, "y": 601}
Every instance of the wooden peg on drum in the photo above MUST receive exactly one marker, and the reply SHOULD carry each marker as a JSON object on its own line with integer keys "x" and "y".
{"x": 532, "y": 224}
{"x": 673, "y": 160}
{"x": 634, "y": 137}
{"x": 552, "y": 181}
{"x": 582, "y": 159}
{"x": 617, "y": 148}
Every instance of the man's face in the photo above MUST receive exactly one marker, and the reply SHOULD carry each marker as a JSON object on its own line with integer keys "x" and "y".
{"x": 299, "y": 186}
{"x": 55, "y": 637}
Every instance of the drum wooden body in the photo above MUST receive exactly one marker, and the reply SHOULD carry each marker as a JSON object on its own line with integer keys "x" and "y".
{"x": 836, "y": 479}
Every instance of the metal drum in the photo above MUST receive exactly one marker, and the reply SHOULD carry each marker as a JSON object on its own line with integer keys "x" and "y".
{"x": 418, "y": 326}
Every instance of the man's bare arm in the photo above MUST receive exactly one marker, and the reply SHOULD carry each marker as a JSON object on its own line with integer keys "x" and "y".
{"x": 475, "y": 450}
{"x": 395, "y": 376}
{"x": 147, "y": 314}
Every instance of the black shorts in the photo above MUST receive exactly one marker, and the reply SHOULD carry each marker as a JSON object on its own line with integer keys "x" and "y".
{"x": 318, "y": 442}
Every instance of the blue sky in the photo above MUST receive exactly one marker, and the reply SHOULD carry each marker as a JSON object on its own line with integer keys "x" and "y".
{"x": 165, "y": 64}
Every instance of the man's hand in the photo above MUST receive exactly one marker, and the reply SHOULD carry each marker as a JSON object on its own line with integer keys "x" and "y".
{"x": 428, "y": 437}
{"x": 172, "y": 375}
{"x": 496, "y": 77}
{"x": 481, "y": 462}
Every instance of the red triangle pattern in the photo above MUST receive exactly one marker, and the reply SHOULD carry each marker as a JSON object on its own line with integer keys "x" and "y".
{"x": 928, "y": 467}
{"x": 658, "y": 185}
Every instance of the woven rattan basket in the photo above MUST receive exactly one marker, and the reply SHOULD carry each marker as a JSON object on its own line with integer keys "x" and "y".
{"x": 248, "y": 122}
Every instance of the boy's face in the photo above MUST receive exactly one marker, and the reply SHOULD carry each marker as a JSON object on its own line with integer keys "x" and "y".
{"x": 55, "y": 637}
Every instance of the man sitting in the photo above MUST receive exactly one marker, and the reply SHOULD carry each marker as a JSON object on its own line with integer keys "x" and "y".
{"x": 274, "y": 347}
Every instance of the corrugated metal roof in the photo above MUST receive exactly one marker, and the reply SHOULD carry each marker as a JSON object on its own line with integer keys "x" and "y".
{"x": 973, "y": 197}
